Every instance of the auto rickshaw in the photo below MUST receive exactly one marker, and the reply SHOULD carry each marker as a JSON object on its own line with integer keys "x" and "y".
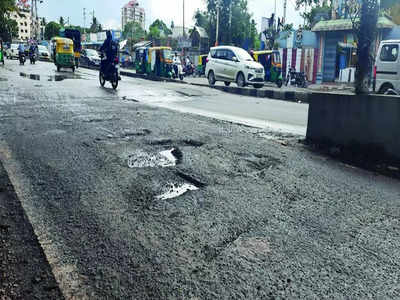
{"x": 159, "y": 62}
{"x": 271, "y": 60}
{"x": 75, "y": 36}
{"x": 1, "y": 52}
{"x": 201, "y": 66}
{"x": 141, "y": 54}
{"x": 63, "y": 53}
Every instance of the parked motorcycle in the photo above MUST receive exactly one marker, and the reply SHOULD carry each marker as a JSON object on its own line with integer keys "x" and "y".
{"x": 22, "y": 58}
{"x": 298, "y": 79}
{"x": 110, "y": 74}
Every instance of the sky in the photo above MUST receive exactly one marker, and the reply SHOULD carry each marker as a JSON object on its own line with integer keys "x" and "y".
{"x": 108, "y": 12}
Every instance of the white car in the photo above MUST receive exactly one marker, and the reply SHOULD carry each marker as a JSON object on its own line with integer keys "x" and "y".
{"x": 44, "y": 53}
{"x": 233, "y": 64}
{"x": 12, "y": 52}
{"x": 387, "y": 68}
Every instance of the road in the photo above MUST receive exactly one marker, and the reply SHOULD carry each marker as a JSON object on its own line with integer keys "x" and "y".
{"x": 131, "y": 200}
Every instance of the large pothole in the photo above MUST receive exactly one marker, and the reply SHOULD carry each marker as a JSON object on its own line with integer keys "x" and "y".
{"x": 166, "y": 158}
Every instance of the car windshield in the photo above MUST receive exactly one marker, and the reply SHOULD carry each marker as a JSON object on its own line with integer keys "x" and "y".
{"x": 42, "y": 48}
{"x": 91, "y": 52}
{"x": 243, "y": 55}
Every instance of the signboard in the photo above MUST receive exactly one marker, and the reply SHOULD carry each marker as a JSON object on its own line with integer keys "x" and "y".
{"x": 184, "y": 42}
{"x": 264, "y": 26}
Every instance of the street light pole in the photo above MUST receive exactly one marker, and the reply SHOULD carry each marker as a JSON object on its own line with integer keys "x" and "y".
{"x": 217, "y": 33}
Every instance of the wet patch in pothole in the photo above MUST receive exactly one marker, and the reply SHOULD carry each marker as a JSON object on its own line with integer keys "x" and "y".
{"x": 164, "y": 159}
{"x": 182, "y": 142}
{"x": 30, "y": 76}
{"x": 176, "y": 190}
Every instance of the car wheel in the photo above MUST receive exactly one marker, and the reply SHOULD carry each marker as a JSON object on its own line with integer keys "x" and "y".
{"x": 227, "y": 83}
{"x": 211, "y": 78}
{"x": 385, "y": 88}
{"x": 240, "y": 81}
{"x": 258, "y": 86}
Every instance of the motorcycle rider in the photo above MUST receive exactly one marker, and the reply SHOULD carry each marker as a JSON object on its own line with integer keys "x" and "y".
{"x": 21, "y": 51}
{"x": 107, "y": 47}
{"x": 176, "y": 61}
{"x": 32, "y": 50}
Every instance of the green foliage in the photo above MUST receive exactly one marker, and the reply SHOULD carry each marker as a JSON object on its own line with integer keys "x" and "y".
{"x": 235, "y": 22}
{"x": 159, "y": 29}
{"x": 8, "y": 27}
{"x": 134, "y": 32}
{"x": 310, "y": 15}
{"x": 51, "y": 30}
{"x": 395, "y": 13}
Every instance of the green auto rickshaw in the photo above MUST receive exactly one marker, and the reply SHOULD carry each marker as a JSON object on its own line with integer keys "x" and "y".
{"x": 63, "y": 53}
{"x": 141, "y": 54}
{"x": 159, "y": 61}
{"x": 1, "y": 51}
{"x": 201, "y": 65}
{"x": 271, "y": 60}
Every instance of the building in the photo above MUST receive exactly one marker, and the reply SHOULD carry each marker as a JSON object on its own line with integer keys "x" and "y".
{"x": 24, "y": 21}
{"x": 200, "y": 40}
{"x": 132, "y": 12}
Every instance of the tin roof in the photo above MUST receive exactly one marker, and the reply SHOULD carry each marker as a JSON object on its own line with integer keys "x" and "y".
{"x": 346, "y": 24}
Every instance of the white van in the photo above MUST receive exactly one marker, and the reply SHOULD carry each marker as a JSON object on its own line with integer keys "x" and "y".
{"x": 387, "y": 68}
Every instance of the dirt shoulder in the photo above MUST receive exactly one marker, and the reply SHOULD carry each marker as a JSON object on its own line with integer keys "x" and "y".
{"x": 24, "y": 270}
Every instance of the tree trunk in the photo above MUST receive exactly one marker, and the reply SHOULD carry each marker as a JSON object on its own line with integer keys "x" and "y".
{"x": 366, "y": 32}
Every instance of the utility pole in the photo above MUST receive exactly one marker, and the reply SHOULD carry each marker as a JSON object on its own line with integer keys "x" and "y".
{"x": 184, "y": 18}
{"x": 217, "y": 33}
{"x": 84, "y": 20}
{"x": 284, "y": 11}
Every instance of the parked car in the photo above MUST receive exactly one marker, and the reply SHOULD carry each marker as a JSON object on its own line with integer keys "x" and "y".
{"x": 387, "y": 68}
{"x": 44, "y": 53}
{"x": 12, "y": 52}
{"x": 90, "y": 58}
{"x": 232, "y": 64}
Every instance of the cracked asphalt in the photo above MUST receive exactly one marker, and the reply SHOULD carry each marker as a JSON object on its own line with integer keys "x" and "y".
{"x": 264, "y": 217}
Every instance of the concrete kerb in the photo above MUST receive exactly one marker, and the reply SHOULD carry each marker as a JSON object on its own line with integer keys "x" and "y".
{"x": 292, "y": 96}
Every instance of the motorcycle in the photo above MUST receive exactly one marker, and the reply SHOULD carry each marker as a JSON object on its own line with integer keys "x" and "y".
{"x": 32, "y": 57}
{"x": 178, "y": 71}
{"x": 298, "y": 79}
{"x": 110, "y": 73}
{"x": 189, "y": 70}
{"x": 22, "y": 58}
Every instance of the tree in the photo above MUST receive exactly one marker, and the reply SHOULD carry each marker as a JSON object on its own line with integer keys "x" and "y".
{"x": 61, "y": 22}
{"x": 134, "y": 32}
{"x": 161, "y": 26}
{"x": 51, "y": 30}
{"x": 8, "y": 27}
{"x": 394, "y": 12}
{"x": 273, "y": 33}
{"x": 235, "y": 22}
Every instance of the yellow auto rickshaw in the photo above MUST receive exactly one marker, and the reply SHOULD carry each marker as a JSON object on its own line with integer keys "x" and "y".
{"x": 63, "y": 53}
{"x": 271, "y": 61}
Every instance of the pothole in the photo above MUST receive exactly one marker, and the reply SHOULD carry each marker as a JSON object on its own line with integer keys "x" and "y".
{"x": 30, "y": 76}
{"x": 176, "y": 190}
{"x": 181, "y": 142}
{"x": 164, "y": 159}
